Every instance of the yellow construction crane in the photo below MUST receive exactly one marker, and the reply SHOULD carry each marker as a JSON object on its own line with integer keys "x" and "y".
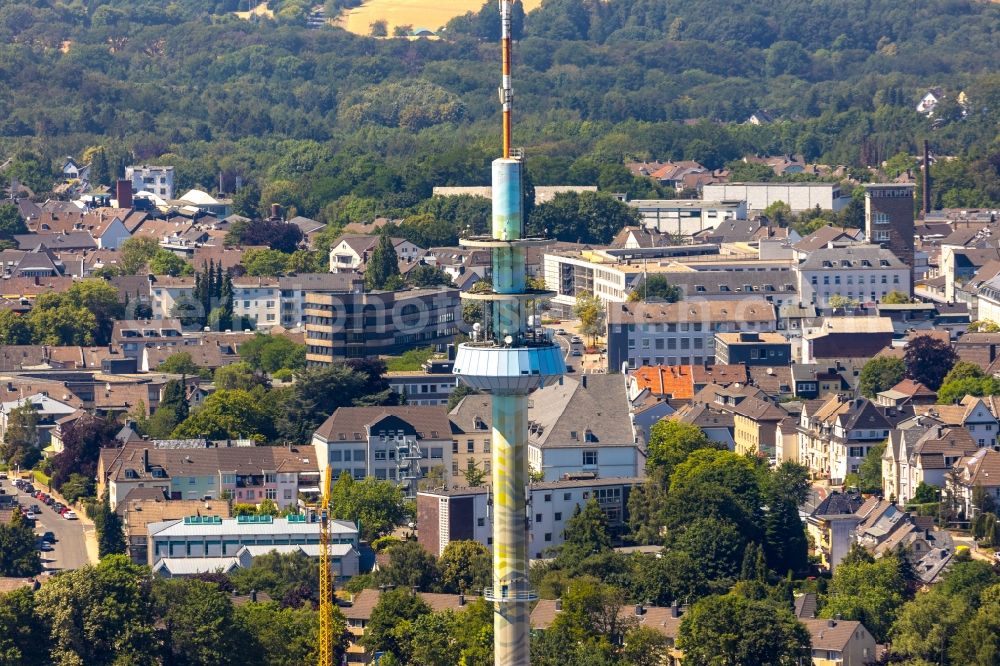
{"x": 325, "y": 584}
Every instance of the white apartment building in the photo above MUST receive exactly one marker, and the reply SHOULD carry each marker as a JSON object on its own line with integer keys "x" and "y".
{"x": 401, "y": 443}
{"x": 257, "y": 299}
{"x": 352, "y": 251}
{"x": 862, "y": 273}
{"x": 158, "y": 180}
{"x": 686, "y": 217}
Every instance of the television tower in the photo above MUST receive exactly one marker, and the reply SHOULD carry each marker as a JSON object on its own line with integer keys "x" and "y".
{"x": 509, "y": 357}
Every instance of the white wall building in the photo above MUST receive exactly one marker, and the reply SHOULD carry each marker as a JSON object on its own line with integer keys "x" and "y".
{"x": 158, "y": 180}
{"x": 254, "y": 298}
{"x": 685, "y": 217}
{"x": 799, "y": 196}
{"x": 861, "y": 273}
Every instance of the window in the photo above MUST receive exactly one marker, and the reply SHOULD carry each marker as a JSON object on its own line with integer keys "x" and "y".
{"x": 437, "y": 452}
{"x": 589, "y": 458}
{"x": 379, "y": 455}
{"x": 880, "y": 218}
{"x": 480, "y": 522}
{"x": 881, "y": 235}
{"x": 191, "y": 480}
{"x": 288, "y": 493}
{"x": 335, "y": 455}
{"x": 538, "y": 517}
{"x": 856, "y": 451}
{"x": 470, "y": 446}
{"x": 271, "y": 493}
{"x": 548, "y": 497}
{"x": 486, "y": 445}
{"x": 558, "y": 515}
{"x": 548, "y": 536}
{"x": 359, "y": 455}
{"x": 567, "y": 497}
{"x": 454, "y": 446}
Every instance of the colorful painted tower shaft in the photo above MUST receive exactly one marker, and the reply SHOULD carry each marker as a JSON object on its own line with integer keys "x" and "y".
{"x": 509, "y": 358}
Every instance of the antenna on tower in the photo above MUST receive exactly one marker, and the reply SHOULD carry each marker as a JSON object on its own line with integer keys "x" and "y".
{"x": 506, "y": 91}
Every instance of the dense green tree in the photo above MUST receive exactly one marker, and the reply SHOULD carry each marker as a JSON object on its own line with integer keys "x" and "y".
{"x": 730, "y": 629}
{"x": 954, "y": 391}
{"x": 286, "y": 636}
{"x": 279, "y": 574}
{"x": 20, "y": 446}
{"x": 869, "y": 476}
{"x": 393, "y": 608}
{"x": 76, "y": 487}
{"x": 15, "y": 329}
{"x": 110, "y": 531}
{"x": 199, "y": 624}
{"x": 465, "y": 566}
{"x": 656, "y": 288}
{"x": 83, "y": 440}
{"x": 10, "y": 222}
{"x": 23, "y": 636}
{"x": 164, "y": 262}
{"x": 18, "y": 553}
{"x": 135, "y": 253}
{"x": 670, "y": 443}
{"x": 265, "y": 262}
{"x": 585, "y": 217}
{"x": 410, "y": 566}
{"x": 179, "y": 363}
{"x": 382, "y": 269}
{"x": 227, "y": 414}
{"x": 101, "y": 615}
{"x": 586, "y": 534}
{"x": 378, "y": 505}
{"x": 871, "y": 592}
{"x": 881, "y": 374}
{"x": 928, "y": 360}
{"x": 592, "y": 313}
{"x": 271, "y": 353}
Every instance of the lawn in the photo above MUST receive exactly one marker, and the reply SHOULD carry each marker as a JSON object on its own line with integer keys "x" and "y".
{"x": 410, "y": 361}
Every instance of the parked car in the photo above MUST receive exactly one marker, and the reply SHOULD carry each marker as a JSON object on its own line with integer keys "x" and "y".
{"x": 45, "y": 547}
{"x": 576, "y": 339}
{"x": 30, "y": 515}
{"x": 62, "y": 511}
{"x": 70, "y": 515}
{"x": 576, "y": 352}
{"x": 49, "y": 536}
{"x": 35, "y": 508}
{"x": 51, "y": 501}
{"x": 3, "y": 476}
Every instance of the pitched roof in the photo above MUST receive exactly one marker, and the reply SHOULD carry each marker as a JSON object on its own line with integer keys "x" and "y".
{"x": 824, "y": 235}
{"x": 675, "y": 381}
{"x": 352, "y": 423}
{"x": 129, "y": 462}
{"x": 742, "y": 310}
{"x": 832, "y": 635}
{"x": 364, "y": 602}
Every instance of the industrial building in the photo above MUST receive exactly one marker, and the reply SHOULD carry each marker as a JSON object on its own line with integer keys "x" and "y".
{"x": 799, "y": 196}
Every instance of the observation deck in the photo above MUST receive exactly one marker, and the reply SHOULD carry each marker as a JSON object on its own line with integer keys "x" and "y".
{"x": 521, "y": 367}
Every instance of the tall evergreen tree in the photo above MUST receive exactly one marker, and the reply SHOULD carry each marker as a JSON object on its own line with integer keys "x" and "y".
{"x": 218, "y": 280}
{"x": 100, "y": 173}
{"x": 110, "y": 533}
{"x": 226, "y": 304}
{"x": 383, "y": 265}
{"x": 174, "y": 398}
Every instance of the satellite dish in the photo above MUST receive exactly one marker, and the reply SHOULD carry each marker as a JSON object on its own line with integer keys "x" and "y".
{"x": 477, "y": 327}
{"x": 508, "y": 339}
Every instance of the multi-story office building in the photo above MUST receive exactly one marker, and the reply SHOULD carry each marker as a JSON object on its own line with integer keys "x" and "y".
{"x": 444, "y": 516}
{"x": 889, "y": 218}
{"x": 400, "y": 444}
{"x": 361, "y": 325}
{"x": 158, "y": 180}
{"x": 431, "y": 385}
{"x": 680, "y": 333}
{"x": 864, "y": 274}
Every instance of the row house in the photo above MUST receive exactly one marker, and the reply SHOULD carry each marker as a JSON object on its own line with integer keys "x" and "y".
{"x": 680, "y": 333}
{"x": 196, "y": 470}
{"x": 399, "y": 443}
{"x": 979, "y": 470}
{"x": 925, "y": 454}
{"x": 835, "y": 437}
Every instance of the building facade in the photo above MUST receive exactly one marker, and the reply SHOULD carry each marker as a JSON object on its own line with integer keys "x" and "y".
{"x": 363, "y": 325}
{"x": 158, "y": 180}
{"x": 799, "y": 196}
{"x": 752, "y": 348}
{"x": 860, "y": 274}
{"x": 889, "y": 218}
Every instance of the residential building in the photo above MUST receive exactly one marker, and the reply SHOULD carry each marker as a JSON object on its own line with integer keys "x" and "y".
{"x": 132, "y": 336}
{"x": 931, "y": 457}
{"x": 799, "y": 196}
{"x": 255, "y": 299}
{"x": 362, "y": 325}
{"x": 351, "y": 252}
{"x": 862, "y": 274}
{"x": 295, "y": 287}
{"x": 683, "y": 382}
{"x": 444, "y": 516}
{"x": 213, "y": 536}
{"x": 48, "y": 409}
{"x": 472, "y": 441}
{"x": 980, "y": 470}
{"x": 158, "y": 180}
{"x": 196, "y": 471}
{"x": 845, "y": 338}
{"x": 835, "y": 437}
{"x": 831, "y": 525}
{"x": 399, "y": 443}
{"x": 753, "y": 349}
{"x": 777, "y": 287}
{"x": 686, "y": 217}
{"x": 755, "y": 423}
{"x": 680, "y": 333}
{"x": 889, "y": 218}
{"x": 840, "y": 642}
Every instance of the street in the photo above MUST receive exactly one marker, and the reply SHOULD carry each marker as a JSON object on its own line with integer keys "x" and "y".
{"x": 70, "y": 549}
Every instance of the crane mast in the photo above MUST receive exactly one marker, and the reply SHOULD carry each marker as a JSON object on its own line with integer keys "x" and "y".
{"x": 325, "y": 584}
